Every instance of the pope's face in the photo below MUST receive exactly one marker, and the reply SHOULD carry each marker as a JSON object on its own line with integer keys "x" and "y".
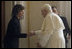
{"x": 44, "y": 12}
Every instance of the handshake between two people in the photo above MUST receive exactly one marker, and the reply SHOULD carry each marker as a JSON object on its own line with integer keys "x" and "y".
{"x": 31, "y": 33}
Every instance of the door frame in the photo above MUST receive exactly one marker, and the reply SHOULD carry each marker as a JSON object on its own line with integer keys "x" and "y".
{"x": 2, "y": 22}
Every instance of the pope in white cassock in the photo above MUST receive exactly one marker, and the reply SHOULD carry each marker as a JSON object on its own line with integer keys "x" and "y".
{"x": 51, "y": 33}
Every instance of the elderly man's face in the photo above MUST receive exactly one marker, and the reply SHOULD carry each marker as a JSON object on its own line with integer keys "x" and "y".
{"x": 44, "y": 12}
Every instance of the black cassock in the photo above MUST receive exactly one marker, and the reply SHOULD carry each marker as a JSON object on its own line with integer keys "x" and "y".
{"x": 67, "y": 29}
{"x": 13, "y": 34}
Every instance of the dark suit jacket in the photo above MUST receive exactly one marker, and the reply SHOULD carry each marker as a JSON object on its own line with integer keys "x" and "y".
{"x": 13, "y": 34}
{"x": 67, "y": 29}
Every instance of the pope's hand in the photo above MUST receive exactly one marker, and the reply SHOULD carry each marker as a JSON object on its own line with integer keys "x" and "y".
{"x": 31, "y": 33}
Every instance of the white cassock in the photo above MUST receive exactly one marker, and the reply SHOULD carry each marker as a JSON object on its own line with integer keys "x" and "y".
{"x": 51, "y": 33}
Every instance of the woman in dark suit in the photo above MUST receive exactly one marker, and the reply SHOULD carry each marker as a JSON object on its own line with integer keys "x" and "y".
{"x": 13, "y": 33}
